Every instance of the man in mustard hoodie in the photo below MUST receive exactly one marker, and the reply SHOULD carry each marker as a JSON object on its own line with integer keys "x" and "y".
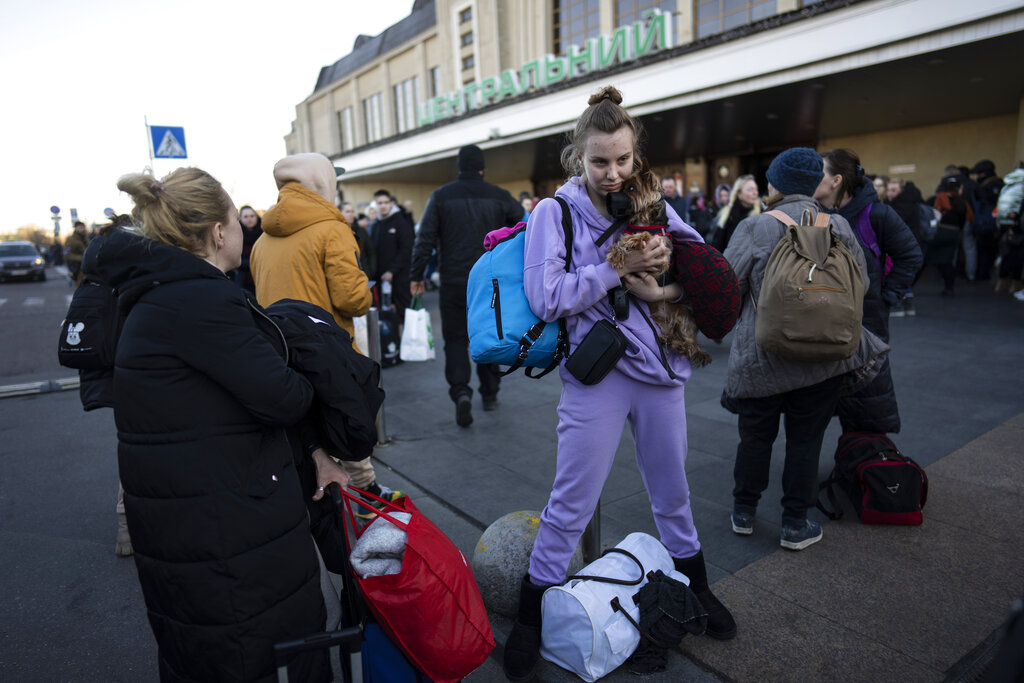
{"x": 309, "y": 253}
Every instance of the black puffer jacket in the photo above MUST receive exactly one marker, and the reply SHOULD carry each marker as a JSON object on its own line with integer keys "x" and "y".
{"x": 896, "y": 241}
{"x": 201, "y": 399}
{"x": 907, "y": 204}
{"x": 457, "y": 217}
{"x": 392, "y": 245}
{"x": 874, "y": 408}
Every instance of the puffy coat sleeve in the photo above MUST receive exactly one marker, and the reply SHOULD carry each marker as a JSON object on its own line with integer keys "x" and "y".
{"x": 426, "y": 239}
{"x": 220, "y": 340}
{"x": 552, "y": 292}
{"x": 346, "y": 282}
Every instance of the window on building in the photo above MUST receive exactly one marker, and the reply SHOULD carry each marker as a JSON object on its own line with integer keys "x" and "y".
{"x": 718, "y": 16}
{"x": 406, "y": 102}
{"x": 346, "y": 133}
{"x": 468, "y": 62}
{"x": 465, "y": 15}
{"x": 467, "y": 38}
{"x": 574, "y": 21}
{"x": 628, "y": 12}
{"x": 435, "y": 81}
{"x": 372, "y": 118}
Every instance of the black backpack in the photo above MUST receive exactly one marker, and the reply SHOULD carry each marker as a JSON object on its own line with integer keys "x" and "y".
{"x": 88, "y": 335}
{"x": 884, "y": 486}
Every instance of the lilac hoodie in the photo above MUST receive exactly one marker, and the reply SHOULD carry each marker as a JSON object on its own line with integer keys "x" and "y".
{"x": 581, "y": 295}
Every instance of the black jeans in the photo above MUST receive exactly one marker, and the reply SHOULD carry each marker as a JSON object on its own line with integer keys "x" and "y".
{"x": 456, "y": 346}
{"x": 807, "y": 414}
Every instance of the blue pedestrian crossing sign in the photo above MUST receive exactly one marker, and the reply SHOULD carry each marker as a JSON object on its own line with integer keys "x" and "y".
{"x": 168, "y": 142}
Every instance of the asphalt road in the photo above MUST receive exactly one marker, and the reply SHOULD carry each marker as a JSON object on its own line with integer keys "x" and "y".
{"x": 72, "y": 610}
{"x": 30, "y": 317}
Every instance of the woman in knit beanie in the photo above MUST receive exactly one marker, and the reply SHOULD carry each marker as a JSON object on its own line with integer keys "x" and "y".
{"x": 760, "y": 386}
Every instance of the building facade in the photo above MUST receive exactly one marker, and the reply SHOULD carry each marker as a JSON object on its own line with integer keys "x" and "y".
{"x": 721, "y": 86}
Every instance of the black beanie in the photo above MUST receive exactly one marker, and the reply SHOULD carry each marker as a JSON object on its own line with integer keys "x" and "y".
{"x": 796, "y": 171}
{"x": 470, "y": 159}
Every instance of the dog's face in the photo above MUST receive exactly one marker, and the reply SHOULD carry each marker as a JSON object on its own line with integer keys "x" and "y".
{"x": 644, "y": 191}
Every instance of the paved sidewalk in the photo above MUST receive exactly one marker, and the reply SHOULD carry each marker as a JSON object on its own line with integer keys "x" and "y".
{"x": 867, "y": 603}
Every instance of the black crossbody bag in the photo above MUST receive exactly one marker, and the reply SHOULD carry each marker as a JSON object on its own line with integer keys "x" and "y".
{"x": 598, "y": 352}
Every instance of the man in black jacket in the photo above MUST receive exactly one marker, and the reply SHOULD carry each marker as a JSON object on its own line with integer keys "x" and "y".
{"x": 457, "y": 217}
{"x": 392, "y": 244}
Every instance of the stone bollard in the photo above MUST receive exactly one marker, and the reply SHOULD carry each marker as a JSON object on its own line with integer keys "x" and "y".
{"x": 502, "y": 558}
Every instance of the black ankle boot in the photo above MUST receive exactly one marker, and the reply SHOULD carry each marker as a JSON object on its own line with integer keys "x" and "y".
{"x": 522, "y": 649}
{"x": 721, "y": 625}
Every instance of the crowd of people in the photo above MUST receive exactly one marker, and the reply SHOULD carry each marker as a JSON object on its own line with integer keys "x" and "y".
{"x": 222, "y": 453}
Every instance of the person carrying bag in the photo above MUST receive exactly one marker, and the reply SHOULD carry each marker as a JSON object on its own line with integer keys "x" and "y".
{"x": 644, "y": 383}
{"x": 417, "y": 338}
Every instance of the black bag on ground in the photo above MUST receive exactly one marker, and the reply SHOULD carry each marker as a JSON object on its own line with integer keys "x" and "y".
{"x": 88, "y": 335}
{"x": 884, "y": 486}
{"x": 389, "y": 327}
{"x": 390, "y": 337}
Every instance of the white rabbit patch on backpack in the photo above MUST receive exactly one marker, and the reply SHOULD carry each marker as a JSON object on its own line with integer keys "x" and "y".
{"x": 74, "y": 338}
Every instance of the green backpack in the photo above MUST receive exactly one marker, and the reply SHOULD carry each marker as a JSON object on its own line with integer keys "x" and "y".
{"x": 812, "y": 298}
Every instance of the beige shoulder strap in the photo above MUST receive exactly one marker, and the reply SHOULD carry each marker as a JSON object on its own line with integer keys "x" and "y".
{"x": 821, "y": 220}
{"x": 786, "y": 220}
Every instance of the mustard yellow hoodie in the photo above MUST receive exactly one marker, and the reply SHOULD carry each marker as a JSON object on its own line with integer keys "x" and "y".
{"x": 308, "y": 252}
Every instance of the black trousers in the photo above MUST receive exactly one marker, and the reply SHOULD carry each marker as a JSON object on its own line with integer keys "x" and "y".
{"x": 806, "y": 412}
{"x": 456, "y": 346}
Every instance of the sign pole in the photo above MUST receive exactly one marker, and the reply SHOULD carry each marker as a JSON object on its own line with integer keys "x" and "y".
{"x": 149, "y": 145}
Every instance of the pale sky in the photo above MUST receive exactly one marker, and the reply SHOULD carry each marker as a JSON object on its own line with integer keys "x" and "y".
{"x": 78, "y": 78}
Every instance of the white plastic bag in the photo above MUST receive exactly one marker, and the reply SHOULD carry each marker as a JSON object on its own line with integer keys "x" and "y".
{"x": 361, "y": 338}
{"x": 580, "y": 630}
{"x": 417, "y": 339}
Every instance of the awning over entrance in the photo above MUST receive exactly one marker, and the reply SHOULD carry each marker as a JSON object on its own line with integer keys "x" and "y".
{"x": 802, "y": 82}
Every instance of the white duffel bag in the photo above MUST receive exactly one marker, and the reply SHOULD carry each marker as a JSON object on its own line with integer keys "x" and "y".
{"x": 583, "y": 628}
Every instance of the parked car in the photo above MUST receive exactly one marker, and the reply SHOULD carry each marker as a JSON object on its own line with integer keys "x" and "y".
{"x": 20, "y": 259}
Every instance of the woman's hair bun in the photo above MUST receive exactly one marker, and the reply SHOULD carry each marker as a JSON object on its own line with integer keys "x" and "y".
{"x": 608, "y": 92}
{"x": 142, "y": 187}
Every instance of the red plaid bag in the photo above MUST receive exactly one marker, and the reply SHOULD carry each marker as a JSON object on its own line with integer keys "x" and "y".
{"x": 432, "y": 609}
{"x": 710, "y": 286}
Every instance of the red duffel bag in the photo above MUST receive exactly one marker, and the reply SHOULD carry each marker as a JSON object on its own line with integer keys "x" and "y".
{"x": 432, "y": 609}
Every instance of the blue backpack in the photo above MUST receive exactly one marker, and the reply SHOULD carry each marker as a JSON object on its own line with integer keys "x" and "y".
{"x": 502, "y": 328}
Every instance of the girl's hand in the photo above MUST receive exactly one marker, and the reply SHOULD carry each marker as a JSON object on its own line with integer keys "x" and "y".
{"x": 327, "y": 471}
{"x": 644, "y": 287}
{"x": 653, "y": 258}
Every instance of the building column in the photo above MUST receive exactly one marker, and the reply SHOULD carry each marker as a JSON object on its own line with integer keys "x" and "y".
{"x": 387, "y": 102}
{"x": 1019, "y": 156}
{"x": 333, "y": 124}
{"x": 606, "y": 18}
{"x": 683, "y": 26}
{"x": 357, "y": 115}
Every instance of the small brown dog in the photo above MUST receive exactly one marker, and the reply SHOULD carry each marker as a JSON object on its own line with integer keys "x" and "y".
{"x": 678, "y": 327}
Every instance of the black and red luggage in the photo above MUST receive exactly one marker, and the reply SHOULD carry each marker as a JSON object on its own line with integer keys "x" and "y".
{"x": 884, "y": 486}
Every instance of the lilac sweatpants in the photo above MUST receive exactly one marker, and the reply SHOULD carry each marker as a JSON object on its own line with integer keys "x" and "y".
{"x": 590, "y": 423}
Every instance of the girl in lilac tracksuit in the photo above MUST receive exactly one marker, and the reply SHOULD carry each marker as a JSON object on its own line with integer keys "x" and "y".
{"x": 646, "y": 385}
